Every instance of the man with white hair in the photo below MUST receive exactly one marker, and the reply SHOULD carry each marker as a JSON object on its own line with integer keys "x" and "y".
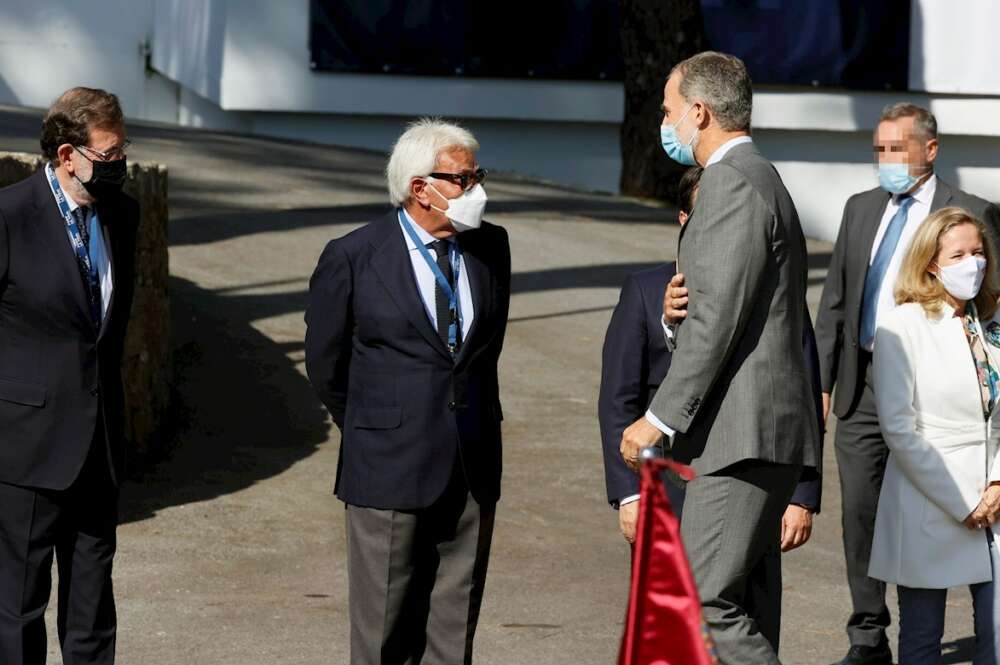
{"x": 405, "y": 324}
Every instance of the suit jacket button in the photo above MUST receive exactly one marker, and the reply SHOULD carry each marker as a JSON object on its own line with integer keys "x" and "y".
{"x": 452, "y": 406}
{"x": 94, "y": 392}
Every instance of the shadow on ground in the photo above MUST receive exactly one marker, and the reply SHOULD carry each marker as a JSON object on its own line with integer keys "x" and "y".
{"x": 246, "y": 413}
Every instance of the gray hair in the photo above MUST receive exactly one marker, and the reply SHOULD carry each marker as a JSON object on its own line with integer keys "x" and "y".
{"x": 924, "y": 122}
{"x": 721, "y": 82}
{"x": 416, "y": 153}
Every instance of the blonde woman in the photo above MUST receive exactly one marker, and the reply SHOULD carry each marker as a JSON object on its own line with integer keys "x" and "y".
{"x": 936, "y": 386}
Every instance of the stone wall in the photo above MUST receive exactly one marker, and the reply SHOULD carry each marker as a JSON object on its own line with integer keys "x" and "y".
{"x": 146, "y": 364}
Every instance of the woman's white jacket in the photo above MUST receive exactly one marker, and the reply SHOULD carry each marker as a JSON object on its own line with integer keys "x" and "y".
{"x": 941, "y": 447}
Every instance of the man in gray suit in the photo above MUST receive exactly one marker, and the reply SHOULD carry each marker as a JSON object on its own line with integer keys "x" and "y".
{"x": 736, "y": 402}
{"x": 874, "y": 235}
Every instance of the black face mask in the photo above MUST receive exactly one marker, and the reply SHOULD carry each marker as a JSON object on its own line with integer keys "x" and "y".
{"x": 107, "y": 178}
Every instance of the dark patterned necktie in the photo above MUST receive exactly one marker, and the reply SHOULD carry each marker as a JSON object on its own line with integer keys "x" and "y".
{"x": 441, "y": 302}
{"x": 81, "y": 222}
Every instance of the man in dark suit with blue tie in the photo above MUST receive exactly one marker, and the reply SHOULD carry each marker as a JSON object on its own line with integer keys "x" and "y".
{"x": 405, "y": 325}
{"x": 635, "y": 360}
{"x": 67, "y": 256}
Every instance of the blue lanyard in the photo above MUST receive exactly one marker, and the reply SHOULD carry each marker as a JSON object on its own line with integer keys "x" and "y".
{"x": 77, "y": 241}
{"x": 456, "y": 261}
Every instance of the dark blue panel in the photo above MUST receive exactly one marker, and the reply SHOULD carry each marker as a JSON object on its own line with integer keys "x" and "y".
{"x": 842, "y": 43}
{"x": 553, "y": 39}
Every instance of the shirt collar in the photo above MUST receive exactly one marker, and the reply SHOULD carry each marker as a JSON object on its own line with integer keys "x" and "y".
{"x": 721, "y": 151}
{"x": 73, "y": 205}
{"x": 422, "y": 233}
{"x": 925, "y": 193}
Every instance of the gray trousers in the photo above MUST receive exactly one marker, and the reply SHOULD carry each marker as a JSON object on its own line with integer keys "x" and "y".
{"x": 730, "y": 527}
{"x": 861, "y": 459}
{"x": 764, "y": 580}
{"x": 416, "y": 580}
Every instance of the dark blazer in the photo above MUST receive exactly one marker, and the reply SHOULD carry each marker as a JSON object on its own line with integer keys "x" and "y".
{"x": 406, "y": 410}
{"x": 635, "y": 361}
{"x": 58, "y": 373}
{"x": 839, "y": 320}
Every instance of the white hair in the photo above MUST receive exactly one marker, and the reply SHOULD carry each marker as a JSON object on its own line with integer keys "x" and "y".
{"x": 416, "y": 153}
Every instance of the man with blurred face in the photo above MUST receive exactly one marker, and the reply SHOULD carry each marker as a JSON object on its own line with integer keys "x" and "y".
{"x": 405, "y": 324}
{"x": 875, "y": 233}
{"x": 67, "y": 251}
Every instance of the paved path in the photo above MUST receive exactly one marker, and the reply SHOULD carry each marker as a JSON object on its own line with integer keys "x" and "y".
{"x": 231, "y": 549}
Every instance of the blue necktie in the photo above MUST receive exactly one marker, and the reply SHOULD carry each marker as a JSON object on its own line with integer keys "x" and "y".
{"x": 82, "y": 215}
{"x": 876, "y": 272}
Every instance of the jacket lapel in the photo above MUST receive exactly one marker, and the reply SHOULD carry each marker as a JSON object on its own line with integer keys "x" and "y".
{"x": 942, "y": 195}
{"x": 393, "y": 266}
{"x": 103, "y": 214}
{"x": 480, "y": 283}
{"x": 53, "y": 228}
{"x": 872, "y": 219}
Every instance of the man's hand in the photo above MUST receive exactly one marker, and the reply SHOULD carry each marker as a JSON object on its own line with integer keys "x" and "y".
{"x": 826, "y": 407}
{"x": 628, "y": 517}
{"x": 675, "y": 301}
{"x": 637, "y": 437}
{"x": 987, "y": 513}
{"x": 796, "y": 527}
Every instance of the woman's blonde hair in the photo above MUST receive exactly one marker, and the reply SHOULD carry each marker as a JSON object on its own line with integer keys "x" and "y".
{"x": 917, "y": 284}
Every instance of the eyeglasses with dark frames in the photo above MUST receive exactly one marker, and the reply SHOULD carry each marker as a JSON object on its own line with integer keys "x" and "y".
{"x": 466, "y": 180}
{"x": 109, "y": 156}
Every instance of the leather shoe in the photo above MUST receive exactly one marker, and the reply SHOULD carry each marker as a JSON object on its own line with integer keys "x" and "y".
{"x": 864, "y": 655}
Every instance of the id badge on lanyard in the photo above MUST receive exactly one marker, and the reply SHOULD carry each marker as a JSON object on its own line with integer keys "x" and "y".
{"x": 77, "y": 240}
{"x": 454, "y": 316}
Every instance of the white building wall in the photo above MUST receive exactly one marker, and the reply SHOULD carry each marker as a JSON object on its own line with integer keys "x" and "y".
{"x": 48, "y": 46}
{"x": 243, "y": 66}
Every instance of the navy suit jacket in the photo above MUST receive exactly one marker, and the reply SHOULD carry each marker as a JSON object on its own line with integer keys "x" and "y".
{"x": 59, "y": 373}
{"x": 408, "y": 412}
{"x": 635, "y": 361}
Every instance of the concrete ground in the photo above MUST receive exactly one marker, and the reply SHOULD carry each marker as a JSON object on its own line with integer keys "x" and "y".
{"x": 231, "y": 549}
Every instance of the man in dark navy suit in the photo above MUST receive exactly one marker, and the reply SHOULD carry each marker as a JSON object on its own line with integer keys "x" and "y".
{"x": 636, "y": 358}
{"x": 67, "y": 254}
{"x": 405, "y": 324}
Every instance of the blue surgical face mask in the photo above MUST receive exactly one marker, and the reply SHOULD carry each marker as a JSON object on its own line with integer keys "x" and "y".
{"x": 682, "y": 153}
{"x": 895, "y": 178}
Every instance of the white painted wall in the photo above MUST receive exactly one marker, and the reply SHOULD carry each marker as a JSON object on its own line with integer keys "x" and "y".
{"x": 585, "y": 155}
{"x": 49, "y": 46}
{"x": 953, "y": 46}
{"x": 243, "y": 66}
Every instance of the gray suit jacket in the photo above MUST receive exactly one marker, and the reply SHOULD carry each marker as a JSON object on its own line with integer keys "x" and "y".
{"x": 738, "y": 387}
{"x": 839, "y": 320}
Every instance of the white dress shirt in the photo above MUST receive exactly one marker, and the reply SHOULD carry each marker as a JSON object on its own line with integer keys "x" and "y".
{"x": 98, "y": 251}
{"x": 918, "y": 212}
{"x": 427, "y": 285}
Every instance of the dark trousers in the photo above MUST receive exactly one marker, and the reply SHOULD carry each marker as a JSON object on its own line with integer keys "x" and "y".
{"x": 730, "y": 527}
{"x": 921, "y": 619}
{"x": 861, "y": 458}
{"x": 78, "y": 526}
{"x": 416, "y": 579}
